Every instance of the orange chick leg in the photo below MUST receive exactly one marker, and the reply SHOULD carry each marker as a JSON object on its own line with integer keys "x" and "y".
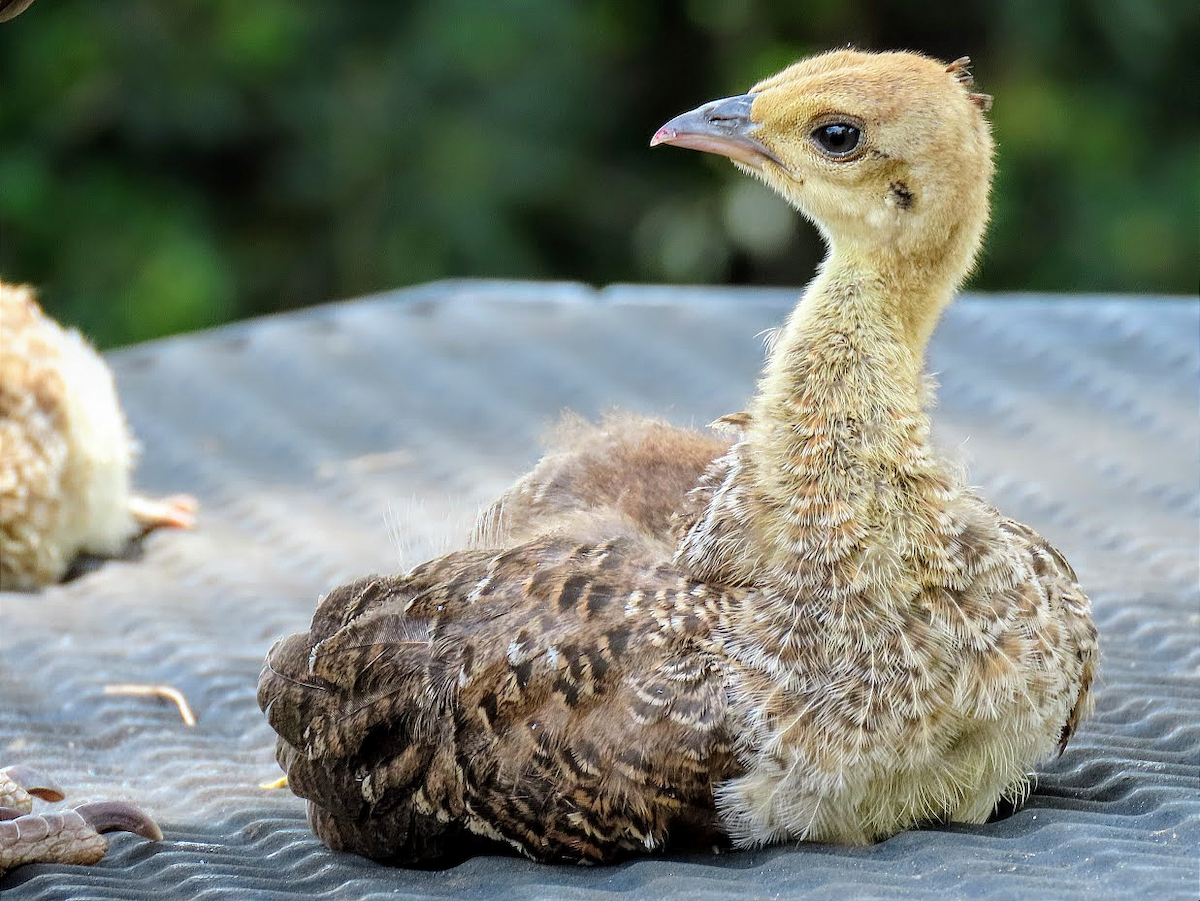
{"x": 175, "y": 512}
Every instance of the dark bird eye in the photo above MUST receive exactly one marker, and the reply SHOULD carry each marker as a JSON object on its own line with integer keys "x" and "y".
{"x": 837, "y": 138}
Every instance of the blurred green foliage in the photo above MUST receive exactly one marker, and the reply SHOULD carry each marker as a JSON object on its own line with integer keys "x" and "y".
{"x": 167, "y": 166}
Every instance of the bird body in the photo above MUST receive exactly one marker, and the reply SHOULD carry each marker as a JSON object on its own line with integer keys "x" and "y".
{"x": 909, "y": 652}
{"x": 527, "y": 695}
{"x": 66, "y": 453}
{"x": 835, "y": 640}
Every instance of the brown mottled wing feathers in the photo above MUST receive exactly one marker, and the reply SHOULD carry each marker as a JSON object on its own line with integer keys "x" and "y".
{"x": 519, "y": 696}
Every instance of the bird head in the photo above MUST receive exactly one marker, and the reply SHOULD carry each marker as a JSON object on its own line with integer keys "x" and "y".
{"x": 889, "y": 154}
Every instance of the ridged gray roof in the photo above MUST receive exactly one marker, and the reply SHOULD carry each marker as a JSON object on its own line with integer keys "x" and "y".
{"x": 362, "y": 437}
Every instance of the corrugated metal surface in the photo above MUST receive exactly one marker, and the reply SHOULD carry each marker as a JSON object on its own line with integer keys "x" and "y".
{"x": 362, "y": 436}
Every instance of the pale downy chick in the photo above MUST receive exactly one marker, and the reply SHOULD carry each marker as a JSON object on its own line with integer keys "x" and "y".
{"x": 846, "y": 643}
{"x": 66, "y": 453}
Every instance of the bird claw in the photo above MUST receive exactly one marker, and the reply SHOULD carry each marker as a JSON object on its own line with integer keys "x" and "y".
{"x": 119, "y": 816}
{"x": 31, "y": 781}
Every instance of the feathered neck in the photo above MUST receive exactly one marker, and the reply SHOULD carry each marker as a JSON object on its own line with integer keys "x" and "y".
{"x": 839, "y": 434}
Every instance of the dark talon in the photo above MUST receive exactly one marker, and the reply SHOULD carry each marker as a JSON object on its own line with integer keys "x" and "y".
{"x": 119, "y": 816}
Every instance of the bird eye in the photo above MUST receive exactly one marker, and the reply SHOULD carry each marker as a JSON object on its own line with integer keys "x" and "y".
{"x": 837, "y": 139}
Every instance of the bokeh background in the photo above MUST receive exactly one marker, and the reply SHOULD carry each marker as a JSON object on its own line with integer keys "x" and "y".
{"x": 166, "y": 166}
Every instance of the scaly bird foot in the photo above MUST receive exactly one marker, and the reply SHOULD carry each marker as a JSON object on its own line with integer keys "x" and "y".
{"x": 69, "y": 836}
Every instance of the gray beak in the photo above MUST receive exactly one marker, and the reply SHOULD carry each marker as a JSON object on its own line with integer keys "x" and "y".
{"x": 723, "y": 127}
{"x": 10, "y": 9}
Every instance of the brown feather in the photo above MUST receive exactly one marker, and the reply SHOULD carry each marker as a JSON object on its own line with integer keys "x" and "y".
{"x": 635, "y": 468}
{"x": 532, "y": 708}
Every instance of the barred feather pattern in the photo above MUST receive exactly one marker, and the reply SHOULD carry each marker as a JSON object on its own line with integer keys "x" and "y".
{"x": 528, "y": 696}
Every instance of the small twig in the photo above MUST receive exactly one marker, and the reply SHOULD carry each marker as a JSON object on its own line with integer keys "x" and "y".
{"x": 157, "y": 691}
{"x": 365, "y": 463}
